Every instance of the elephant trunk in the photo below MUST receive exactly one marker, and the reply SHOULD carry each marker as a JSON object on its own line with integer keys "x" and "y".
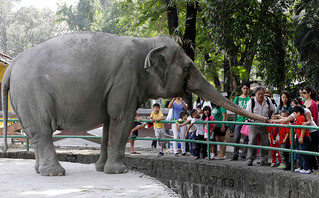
{"x": 201, "y": 87}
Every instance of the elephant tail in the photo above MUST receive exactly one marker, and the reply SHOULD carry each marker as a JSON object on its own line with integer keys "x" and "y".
{"x": 5, "y": 91}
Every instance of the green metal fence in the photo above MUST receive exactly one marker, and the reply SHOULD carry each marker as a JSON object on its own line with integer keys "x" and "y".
{"x": 208, "y": 142}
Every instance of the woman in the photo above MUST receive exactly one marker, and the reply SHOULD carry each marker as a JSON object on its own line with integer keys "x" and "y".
{"x": 199, "y": 101}
{"x": 220, "y": 114}
{"x": 310, "y": 103}
{"x": 285, "y": 103}
{"x": 310, "y": 95}
{"x": 178, "y": 106}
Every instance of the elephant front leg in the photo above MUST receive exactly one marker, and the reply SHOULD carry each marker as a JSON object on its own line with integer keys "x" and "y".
{"x": 118, "y": 136}
{"x": 99, "y": 165}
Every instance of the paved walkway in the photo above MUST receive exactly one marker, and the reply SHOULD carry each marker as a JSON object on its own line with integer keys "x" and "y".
{"x": 18, "y": 179}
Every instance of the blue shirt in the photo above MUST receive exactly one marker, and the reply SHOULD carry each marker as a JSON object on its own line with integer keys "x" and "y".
{"x": 176, "y": 110}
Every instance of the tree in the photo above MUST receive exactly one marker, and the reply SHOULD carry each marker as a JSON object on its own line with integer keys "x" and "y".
{"x": 248, "y": 31}
{"x": 86, "y": 16}
{"x": 24, "y": 28}
{"x": 307, "y": 40}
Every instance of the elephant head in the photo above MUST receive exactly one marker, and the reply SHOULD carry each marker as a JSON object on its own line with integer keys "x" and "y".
{"x": 174, "y": 73}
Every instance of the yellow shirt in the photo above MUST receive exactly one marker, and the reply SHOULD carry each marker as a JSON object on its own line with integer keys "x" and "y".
{"x": 156, "y": 116}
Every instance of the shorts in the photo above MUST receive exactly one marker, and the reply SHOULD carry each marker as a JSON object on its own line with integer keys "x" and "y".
{"x": 135, "y": 134}
{"x": 217, "y": 131}
{"x": 159, "y": 132}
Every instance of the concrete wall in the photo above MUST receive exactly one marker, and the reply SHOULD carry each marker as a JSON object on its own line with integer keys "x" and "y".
{"x": 202, "y": 178}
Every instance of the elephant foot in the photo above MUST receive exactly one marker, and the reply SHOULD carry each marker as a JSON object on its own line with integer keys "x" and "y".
{"x": 36, "y": 168}
{"x": 99, "y": 166}
{"x": 55, "y": 170}
{"x": 115, "y": 168}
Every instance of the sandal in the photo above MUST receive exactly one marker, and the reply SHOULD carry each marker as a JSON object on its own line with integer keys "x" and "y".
{"x": 135, "y": 152}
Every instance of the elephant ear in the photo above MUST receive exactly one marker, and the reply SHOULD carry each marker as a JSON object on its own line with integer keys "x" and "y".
{"x": 156, "y": 64}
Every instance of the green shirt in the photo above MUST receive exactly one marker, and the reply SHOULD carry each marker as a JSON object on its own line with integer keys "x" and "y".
{"x": 218, "y": 114}
{"x": 243, "y": 104}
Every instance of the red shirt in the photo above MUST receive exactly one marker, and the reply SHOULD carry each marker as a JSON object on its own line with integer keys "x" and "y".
{"x": 299, "y": 120}
{"x": 278, "y": 133}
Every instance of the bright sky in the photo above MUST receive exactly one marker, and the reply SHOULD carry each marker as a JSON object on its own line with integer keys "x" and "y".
{"x": 52, "y": 4}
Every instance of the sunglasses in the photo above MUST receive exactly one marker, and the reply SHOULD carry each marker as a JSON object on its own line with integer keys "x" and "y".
{"x": 304, "y": 92}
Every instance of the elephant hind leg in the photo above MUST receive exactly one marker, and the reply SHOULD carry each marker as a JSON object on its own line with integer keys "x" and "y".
{"x": 47, "y": 162}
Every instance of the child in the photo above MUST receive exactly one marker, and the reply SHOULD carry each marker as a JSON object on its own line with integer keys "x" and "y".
{"x": 207, "y": 116}
{"x": 200, "y": 149}
{"x": 191, "y": 130}
{"x": 304, "y": 140}
{"x": 278, "y": 136}
{"x": 159, "y": 129}
{"x": 134, "y": 132}
{"x": 284, "y": 142}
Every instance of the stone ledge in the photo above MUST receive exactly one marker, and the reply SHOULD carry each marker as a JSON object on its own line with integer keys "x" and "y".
{"x": 202, "y": 178}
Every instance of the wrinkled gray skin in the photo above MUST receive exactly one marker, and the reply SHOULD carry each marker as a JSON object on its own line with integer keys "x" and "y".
{"x": 78, "y": 81}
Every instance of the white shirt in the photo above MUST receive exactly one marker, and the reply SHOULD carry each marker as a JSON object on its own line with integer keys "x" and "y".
{"x": 193, "y": 120}
{"x": 199, "y": 127}
{"x": 262, "y": 109}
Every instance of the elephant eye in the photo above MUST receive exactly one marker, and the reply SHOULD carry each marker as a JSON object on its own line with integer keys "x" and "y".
{"x": 186, "y": 68}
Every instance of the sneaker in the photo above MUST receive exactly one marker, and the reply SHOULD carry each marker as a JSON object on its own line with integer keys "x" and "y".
{"x": 183, "y": 154}
{"x": 243, "y": 158}
{"x": 212, "y": 157}
{"x": 273, "y": 164}
{"x": 282, "y": 166}
{"x": 249, "y": 163}
{"x": 176, "y": 155}
{"x": 160, "y": 154}
{"x": 305, "y": 171}
{"x": 297, "y": 170}
{"x": 196, "y": 158}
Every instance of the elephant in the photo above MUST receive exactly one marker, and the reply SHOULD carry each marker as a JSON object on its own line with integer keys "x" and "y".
{"x": 78, "y": 81}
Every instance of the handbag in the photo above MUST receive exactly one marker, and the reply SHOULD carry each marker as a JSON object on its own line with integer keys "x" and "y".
{"x": 245, "y": 129}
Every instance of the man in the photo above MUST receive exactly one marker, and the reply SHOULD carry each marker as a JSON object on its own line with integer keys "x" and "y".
{"x": 262, "y": 106}
{"x": 242, "y": 102}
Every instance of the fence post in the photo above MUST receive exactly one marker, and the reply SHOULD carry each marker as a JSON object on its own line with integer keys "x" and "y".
{"x": 208, "y": 139}
{"x": 292, "y": 161}
{"x": 27, "y": 142}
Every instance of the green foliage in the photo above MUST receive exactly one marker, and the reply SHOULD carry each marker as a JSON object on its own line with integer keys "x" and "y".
{"x": 307, "y": 40}
{"x": 86, "y": 16}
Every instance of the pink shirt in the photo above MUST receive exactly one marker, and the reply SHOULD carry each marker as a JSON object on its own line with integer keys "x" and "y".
{"x": 314, "y": 111}
{"x": 211, "y": 118}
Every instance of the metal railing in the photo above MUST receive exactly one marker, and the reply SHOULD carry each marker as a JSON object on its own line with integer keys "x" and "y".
{"x": 208, "y": 142}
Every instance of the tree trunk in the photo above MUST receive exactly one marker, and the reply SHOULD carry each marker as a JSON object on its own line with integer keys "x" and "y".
{"x": 172, "y": 17}
{"x": 190, "y": 29}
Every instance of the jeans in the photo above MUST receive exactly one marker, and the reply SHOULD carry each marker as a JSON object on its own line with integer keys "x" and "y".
{"x": 192, "y": 145}
{"x": 304, "y": 160}
{"x": 237, "y": 136}
{"x": 314, "y": 148}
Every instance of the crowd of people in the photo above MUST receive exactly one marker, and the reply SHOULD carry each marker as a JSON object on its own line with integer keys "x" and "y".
{"x": 302, "y": 110}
